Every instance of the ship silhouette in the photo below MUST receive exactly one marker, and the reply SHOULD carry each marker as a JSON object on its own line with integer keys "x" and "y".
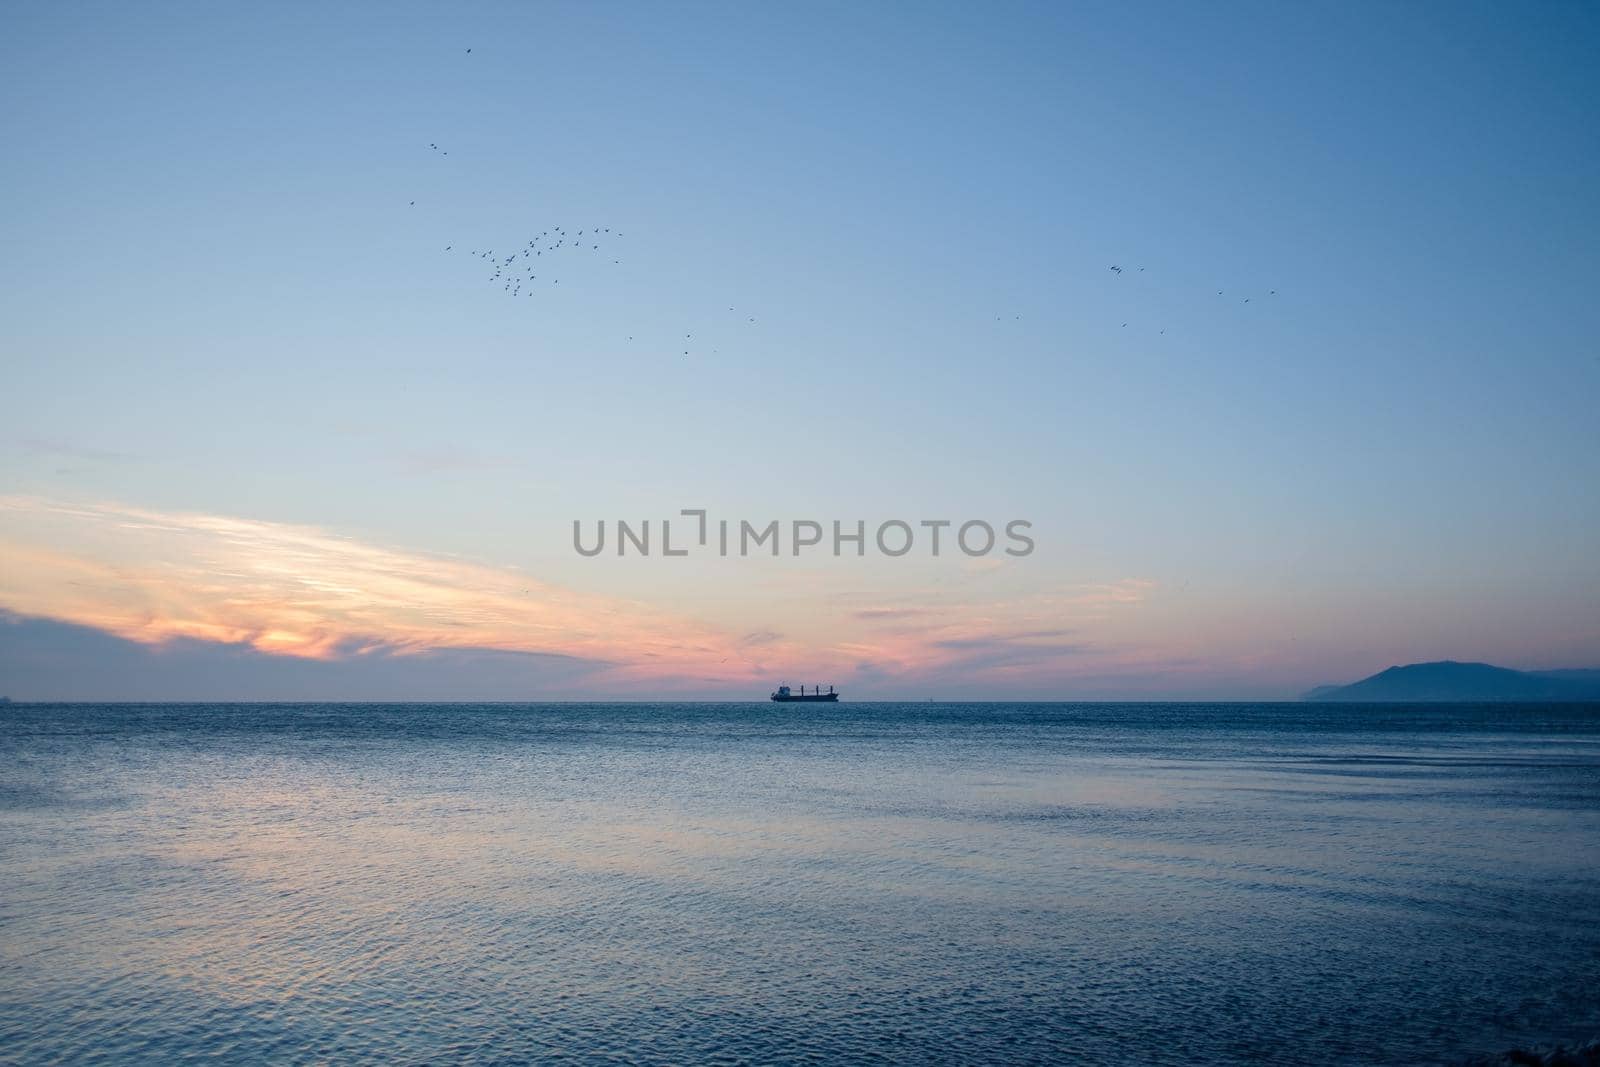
{"x": 784, "y": 695}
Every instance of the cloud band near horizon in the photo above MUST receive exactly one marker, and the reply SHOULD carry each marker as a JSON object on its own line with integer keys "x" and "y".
{"x": 283, "y": 590}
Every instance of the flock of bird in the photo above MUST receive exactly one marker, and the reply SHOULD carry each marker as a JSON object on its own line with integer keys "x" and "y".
{"x": 514, "y": 275}
{"x": 514, "y": 279}
{"x": 535, "y": 261}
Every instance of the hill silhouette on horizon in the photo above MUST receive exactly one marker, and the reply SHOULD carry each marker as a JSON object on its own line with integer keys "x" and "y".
{"x": 1449, "y": 680}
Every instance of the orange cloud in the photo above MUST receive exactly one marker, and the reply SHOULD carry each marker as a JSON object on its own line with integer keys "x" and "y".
{"x": 295, "y": 590}
{"x": 154, "y": 576}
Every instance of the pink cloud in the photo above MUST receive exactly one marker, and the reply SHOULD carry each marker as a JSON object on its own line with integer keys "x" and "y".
{"x": 299, "y": 591}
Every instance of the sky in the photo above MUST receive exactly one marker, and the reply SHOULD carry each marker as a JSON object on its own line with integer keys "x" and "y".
{"x": 265, "y": 438}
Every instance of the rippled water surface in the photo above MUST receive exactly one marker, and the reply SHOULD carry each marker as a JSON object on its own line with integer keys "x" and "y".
{"x": 717, "y": 883}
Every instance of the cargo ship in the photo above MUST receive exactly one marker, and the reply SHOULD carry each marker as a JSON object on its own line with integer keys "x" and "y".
{"x": 785, "y": 695}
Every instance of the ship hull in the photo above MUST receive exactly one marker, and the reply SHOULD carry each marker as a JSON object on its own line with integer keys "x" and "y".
{"x": 809, "y": 698}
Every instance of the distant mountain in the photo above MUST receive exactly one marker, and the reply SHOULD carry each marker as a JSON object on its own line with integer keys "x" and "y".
{"x": 1452, "y": 681}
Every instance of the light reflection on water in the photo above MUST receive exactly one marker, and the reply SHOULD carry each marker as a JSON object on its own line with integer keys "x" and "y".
{"x": 699, "y": 882}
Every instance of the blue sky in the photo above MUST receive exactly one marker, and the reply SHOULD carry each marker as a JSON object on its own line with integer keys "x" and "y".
{"x": 219, "y": 300}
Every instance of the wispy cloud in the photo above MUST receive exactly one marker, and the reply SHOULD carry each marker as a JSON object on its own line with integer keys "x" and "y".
{"x": 881, "y": 614}
{"x": 979, "y": 654}
{"x": 157, "y": 577}
{"x": 153, "y": 576}
{"x": 1027, "y": 639}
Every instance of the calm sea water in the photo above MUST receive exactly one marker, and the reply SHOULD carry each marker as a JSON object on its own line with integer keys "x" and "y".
{"x": 721, "y": 883}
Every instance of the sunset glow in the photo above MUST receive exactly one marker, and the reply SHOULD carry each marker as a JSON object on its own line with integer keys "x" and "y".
{"x": 154, "y": 577}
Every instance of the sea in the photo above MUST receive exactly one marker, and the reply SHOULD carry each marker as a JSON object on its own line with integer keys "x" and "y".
{"x": 758, "y": 883}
